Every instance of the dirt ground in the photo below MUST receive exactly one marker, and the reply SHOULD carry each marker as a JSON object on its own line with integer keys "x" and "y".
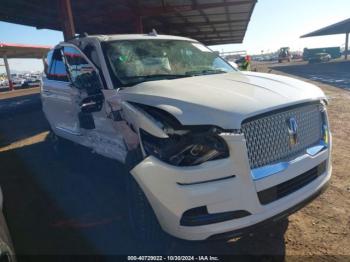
{"x": 324, "y": 226}
{"x": 73, "y": 202}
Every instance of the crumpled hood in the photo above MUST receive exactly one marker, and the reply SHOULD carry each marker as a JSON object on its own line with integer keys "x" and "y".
{"x": 224, "y": 100}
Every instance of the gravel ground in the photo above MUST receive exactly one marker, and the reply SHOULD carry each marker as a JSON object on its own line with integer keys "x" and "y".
{"x": 73, "y": 202}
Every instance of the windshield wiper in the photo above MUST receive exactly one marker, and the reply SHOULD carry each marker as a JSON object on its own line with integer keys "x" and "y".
{"x": 205, "y": 72}
{"x": 139, "y": 79}
{"x": 167, "y": 76}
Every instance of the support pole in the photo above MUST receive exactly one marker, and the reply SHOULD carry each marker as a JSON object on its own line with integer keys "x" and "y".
{"x": 7, "y": 67}
{"x": 139, "y": 24}
{"x": 46, "y": 66}
{"x": 67, "y": 19}
{"x": 346, "y": 45}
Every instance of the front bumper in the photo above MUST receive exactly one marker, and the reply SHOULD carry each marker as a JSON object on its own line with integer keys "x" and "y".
{"x": 221, "y": 186}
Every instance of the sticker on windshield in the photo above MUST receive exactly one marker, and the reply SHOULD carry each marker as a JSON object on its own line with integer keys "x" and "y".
{"x": 201, "y": 47}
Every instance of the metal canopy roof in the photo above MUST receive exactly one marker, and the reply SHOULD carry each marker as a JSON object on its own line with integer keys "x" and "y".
{"x": 23, "y": 51}
{"x": 209, "y": 21}
{"x": 342, "y": 27}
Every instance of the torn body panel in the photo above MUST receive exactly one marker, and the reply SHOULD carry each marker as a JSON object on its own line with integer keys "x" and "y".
{"x": 105, "y": 145}
{"x": 158, "y": 133}
{"x": 127, "y": 120}
{"x": 114, "y": 112}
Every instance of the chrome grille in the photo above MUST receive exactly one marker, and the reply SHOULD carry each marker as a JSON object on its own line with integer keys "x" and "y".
{"x": 267, "y": 137}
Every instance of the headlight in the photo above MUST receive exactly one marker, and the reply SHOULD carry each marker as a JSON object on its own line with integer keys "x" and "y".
{"x": 185, "y": 145}
{"x": 192, "y": 148}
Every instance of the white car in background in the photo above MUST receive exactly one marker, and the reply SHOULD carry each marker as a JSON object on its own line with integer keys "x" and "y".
{"x": 212, "y": 152}
{"x": 4, "y": 82}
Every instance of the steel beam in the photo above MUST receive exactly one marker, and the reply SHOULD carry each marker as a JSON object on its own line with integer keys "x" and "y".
{"x": 155, "y": 11}
{"x": 177, "y": 25}
{"x": 163, "y": 10}
{"x": 67, "y": 17}
{"x": 8, "y": 72}
{"x": 346, "y": 45}
{"x": 222, "y": 41}
{"x": 210, "y": 33}
{"x": 139, "y": 24}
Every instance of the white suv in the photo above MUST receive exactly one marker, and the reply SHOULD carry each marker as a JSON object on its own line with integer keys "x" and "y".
{"x": 212, "y": 152}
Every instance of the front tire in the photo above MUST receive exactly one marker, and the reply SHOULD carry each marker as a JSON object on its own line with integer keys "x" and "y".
{"x": 143, "y": 222}
{"x": 144, "y": 225}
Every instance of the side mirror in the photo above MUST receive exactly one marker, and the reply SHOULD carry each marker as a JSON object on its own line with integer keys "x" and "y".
{"x": 88, "y": 81}
{"x": 92, "y": 103}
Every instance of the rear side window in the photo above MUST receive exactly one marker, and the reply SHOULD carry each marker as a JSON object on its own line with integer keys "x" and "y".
{"x": 57, "y": 70}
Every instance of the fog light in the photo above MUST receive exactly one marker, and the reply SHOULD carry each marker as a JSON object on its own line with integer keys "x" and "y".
{"x": 199, "y": 216}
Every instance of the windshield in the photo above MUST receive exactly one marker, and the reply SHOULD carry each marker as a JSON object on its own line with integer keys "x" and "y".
{"x": 136, "y": 61}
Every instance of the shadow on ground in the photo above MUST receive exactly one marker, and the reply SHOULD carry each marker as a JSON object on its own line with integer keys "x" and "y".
{"x": 333, "y": 73}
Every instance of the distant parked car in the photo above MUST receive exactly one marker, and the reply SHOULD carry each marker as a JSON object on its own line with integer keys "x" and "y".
{"x": 18, "y": 82}
{"x": 31, "y": 83}
{"x": 297, "y": 56}
{"x": 334, "y": 52}
{"x": 4, "y": 82}
{"x": 319, "y": 58}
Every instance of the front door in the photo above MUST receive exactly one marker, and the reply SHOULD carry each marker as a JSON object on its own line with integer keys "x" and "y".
{"x": 60, "y": 98}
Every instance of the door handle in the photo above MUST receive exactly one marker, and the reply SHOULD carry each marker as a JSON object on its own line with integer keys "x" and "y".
{"x": 91, "y": 103}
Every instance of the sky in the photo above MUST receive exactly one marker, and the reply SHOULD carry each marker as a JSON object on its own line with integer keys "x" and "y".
{"x": 274, "y": 23}
{"x": 278, "y": 23}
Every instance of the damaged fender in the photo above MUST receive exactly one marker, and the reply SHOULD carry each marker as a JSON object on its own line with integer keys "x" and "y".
{"x": 127, "y": 120}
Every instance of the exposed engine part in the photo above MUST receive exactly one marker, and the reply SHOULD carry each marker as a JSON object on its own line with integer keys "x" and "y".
{"x": 191, "y": 148}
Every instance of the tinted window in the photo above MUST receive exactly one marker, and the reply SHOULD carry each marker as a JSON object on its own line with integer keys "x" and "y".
{"x": 57, "y": 70}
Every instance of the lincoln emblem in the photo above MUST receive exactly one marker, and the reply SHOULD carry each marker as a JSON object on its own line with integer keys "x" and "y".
{"x": 293, "y": 131}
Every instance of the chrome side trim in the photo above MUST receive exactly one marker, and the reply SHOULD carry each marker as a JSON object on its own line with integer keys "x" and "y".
{"x": 312, "y": 151}
{"x": 268, "y": 170}
{"x": 206, "y": 181}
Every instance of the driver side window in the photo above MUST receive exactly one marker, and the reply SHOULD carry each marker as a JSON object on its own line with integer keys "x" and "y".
{"x": 76, "y": 63}
{"x": 57, "y": 70}
{"x": 82, "y": 73}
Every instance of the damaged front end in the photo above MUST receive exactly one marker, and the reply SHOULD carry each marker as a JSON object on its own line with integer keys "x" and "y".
{"x": 183, "y": 145}
{"x": 157, "y": 133}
